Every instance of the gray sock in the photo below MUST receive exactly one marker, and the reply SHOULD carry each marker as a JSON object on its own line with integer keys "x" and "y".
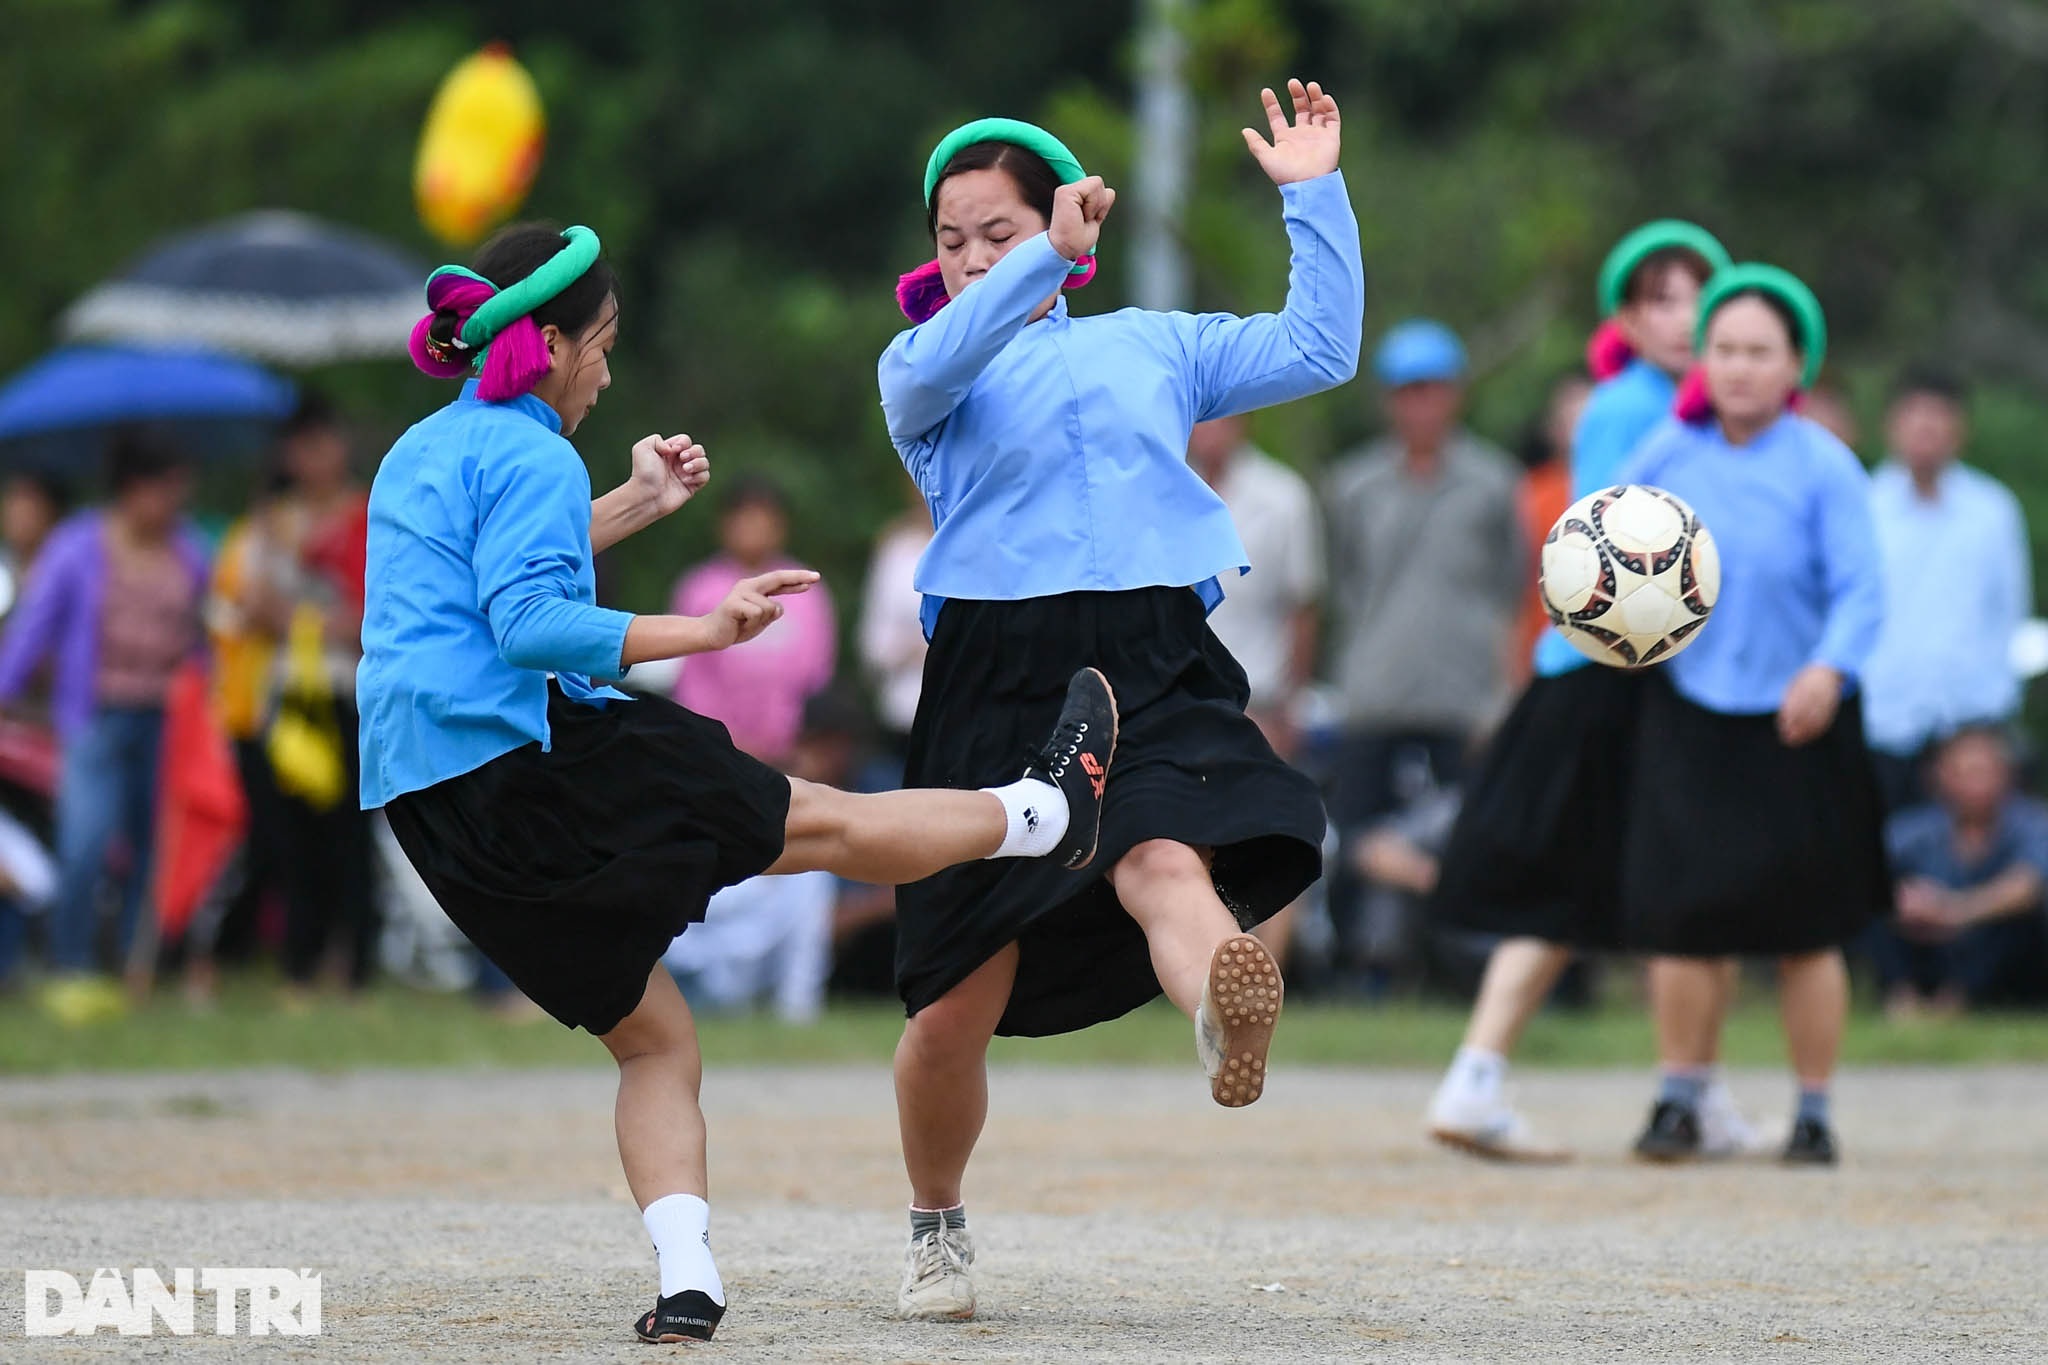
{"x": 923, "y": 1221}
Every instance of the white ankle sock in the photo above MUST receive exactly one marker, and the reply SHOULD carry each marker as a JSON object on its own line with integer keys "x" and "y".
{"x": 680, "y": 1225}
{"x": 1038, "y": 818}
{"x": 1478, "y": 1073}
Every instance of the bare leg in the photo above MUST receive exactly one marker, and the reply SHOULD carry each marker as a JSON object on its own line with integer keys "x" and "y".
{"x": 1813, "y": 995}
{"x": 1684, "y": 992}
{"x": 1277, "y": 933}
{"x": 1165, "y": 887}
{"x": 660, "y": 1127}
{"x": 942, "y": 1080}
{"x": 888, "y": 837}
{"x": 1518, "y": 979}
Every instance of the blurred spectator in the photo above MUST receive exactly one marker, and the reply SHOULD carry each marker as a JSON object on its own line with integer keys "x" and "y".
{"x": 1828, "y": 406}
{"x": 1958, "y": 583}
{"x": 304, "y": 594}
{"x": 863, "y": 927}
{"x": 892, "y": 643}
{"x": 1544, "y": 494}
{"x": 31, "y": 505}
{"x": 757, "y": 689}
{"x": 1428, "y": 575}
{"x": 255, "y": 550}
{"x": 766, "y": 938}
{"x": 114, "y": 602}
{"x": 1971, "y": 926}
{"x": 1268, "y": 619}
{"x": 1398, "y": 857}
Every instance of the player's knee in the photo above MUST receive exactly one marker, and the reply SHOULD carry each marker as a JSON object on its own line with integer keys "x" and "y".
{"x": 1161, "y": 860}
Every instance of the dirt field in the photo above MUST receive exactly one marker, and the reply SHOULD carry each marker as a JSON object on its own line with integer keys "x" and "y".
{"x": 1120, "y": 1217}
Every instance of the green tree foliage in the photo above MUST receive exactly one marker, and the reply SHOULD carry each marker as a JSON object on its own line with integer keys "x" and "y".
{"x": 754, "y": 171}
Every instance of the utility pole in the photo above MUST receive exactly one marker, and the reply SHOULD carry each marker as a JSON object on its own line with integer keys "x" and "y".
{"x": 1164, "y": 157}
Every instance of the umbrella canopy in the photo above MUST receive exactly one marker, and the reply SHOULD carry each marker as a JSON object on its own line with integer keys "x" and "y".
{"x": 277, "y": 286}
{"x": 92, "y": 386}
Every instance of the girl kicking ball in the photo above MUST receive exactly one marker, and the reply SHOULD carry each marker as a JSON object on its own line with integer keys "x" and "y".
{"x": 572, "y": 832}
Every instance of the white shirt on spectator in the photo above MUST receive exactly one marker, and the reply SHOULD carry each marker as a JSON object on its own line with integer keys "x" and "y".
{"x": 1275, "y": 512}
{"x": 767, "y": 936}
{"x": 892, "y": 644}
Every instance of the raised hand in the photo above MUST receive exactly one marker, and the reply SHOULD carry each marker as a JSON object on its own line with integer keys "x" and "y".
{"x": 751, "y": 608}
{"x": 1303, "y": 149}
{"x": 1077, "y": 213}
{"x": 668, "y": 471}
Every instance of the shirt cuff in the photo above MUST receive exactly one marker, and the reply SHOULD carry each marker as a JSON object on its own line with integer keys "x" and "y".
{"x": 1323, "y": 189}
{"x": 593, "y": 642}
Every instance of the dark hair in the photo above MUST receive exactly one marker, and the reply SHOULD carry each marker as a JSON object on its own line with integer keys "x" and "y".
{"x": 517, "y": 251}
{"x": 1776, "y": 305}
{"x": 313, "y": 413}
{"x": 54, "y": 490}
{"x": 1933, "y": 381}
{"x": 1033, "y": 176}
{"x": 749, "y": 490}
{"x": 135, "y": 457}
{"x": 1650, "y": 271}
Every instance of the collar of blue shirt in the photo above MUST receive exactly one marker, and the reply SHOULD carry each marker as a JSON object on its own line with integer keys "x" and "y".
{"x": 533, "y": 407}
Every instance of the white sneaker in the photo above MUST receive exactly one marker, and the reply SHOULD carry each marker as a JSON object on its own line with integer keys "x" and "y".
{"x": 1724, "y": 1132}
{"x": 1234, "y": 1021}
{"x": 1489, "y": 1128}
{"x": 936, "y": 1285}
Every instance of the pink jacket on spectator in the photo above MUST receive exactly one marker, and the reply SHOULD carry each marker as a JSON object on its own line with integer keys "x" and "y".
{"x": 758, "y": 689}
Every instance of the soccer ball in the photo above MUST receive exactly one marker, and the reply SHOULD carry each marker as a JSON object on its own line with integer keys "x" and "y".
{"x": 1629, "y": 575}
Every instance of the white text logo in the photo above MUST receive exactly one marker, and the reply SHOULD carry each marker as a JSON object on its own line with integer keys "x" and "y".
{"x": 257, "y": 1302}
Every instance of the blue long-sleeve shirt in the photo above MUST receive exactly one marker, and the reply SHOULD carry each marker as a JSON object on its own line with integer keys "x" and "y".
{"x": 1621, "y": 412}
{"x": 479, "y": 585}
{"x": 1801, "y": 581}
{"x": 1054, "y": 454}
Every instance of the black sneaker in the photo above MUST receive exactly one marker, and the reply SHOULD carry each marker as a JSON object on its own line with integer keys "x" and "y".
{"x": 1076, "y": 760}
{"x": 1812, "y": 1144}
{"x": 1672, "y": 1135}
{"x": 688, "y": 1316}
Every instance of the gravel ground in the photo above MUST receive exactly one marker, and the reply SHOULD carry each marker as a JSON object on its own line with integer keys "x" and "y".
{"x": 1120, "y": 1217}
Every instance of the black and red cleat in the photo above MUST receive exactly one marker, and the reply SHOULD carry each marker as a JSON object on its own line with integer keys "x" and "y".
{"x": 688, "y": 1316}
{"x": 1076, "y": 760}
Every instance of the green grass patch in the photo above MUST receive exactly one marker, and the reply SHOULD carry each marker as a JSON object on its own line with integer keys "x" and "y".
{"x": 393, "y": 1026}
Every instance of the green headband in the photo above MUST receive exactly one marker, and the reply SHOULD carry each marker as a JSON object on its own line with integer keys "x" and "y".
{"x": 1632, "y": 250}
{"x": 1786, "y": 288}
{"x": 1017, "y": 133}
{"x": 515, "y": 301}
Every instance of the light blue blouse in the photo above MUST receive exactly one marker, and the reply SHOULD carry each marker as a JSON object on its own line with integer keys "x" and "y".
{"x": 1801, "y": 581}
{"x": 1622, "y": 411}
{"x": 479, "y": 585}
{"x": 1054, "y": 455}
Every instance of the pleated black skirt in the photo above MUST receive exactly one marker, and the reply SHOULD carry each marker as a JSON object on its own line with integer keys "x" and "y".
{"x": 1536, "y": 851}
{"x": 574, "y": 868}
{"x": 1190, "y": 767}
{"x": 1739, "y": 844}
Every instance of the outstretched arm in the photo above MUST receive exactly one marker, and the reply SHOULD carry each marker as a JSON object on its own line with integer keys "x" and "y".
{"x": 1312, "y": 343}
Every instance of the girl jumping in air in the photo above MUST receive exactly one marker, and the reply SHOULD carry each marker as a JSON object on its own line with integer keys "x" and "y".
{"x": 1052, "y": 452}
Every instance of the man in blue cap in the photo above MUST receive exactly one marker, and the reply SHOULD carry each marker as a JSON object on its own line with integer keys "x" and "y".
{"x": 1428, "y": 572}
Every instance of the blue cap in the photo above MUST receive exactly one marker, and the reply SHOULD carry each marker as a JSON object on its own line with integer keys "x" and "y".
{"x": 1418, "y": 351}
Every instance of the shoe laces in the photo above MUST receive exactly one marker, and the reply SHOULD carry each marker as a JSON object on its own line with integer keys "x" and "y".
{"x": 1061, "y": 749}
{"x": 938, "y": 1253}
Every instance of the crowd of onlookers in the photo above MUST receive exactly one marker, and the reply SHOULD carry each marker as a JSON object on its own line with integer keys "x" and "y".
{"x": 178, "y": 759}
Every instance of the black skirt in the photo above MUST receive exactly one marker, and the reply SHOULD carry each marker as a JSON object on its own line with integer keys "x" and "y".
{"x": 1736, "y": 843}
{"x": 1189, "y": 767}
{"x": 1536, "y": 851}
{"x": 574, "y": 868}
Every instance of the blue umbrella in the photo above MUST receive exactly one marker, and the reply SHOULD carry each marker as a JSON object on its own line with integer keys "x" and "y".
{"x": 277, "y": 286}
{"x": 57, "y": 413}
{"x": 90, "y": 386}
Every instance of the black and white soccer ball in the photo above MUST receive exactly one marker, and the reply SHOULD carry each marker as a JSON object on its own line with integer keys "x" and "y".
{"x": 1629, "y": 575}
